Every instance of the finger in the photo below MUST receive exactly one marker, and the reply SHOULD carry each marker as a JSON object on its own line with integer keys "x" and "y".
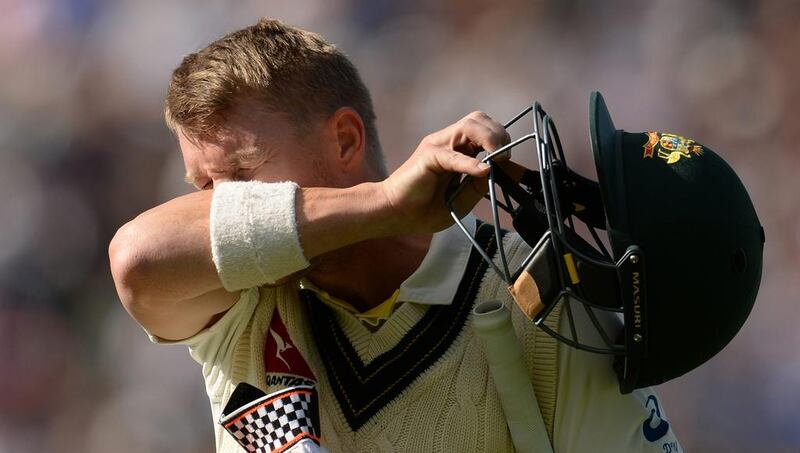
{"x": 498, "y": 129}
{"x": 480, "y": 130}
{"x": 476, "y": 133}
{"x": 469, "y": 149}
{"x": 446, "y": 135}
{"x": 454, "y": 161}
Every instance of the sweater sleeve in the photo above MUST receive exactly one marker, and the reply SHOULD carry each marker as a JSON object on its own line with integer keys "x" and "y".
{"x": 578, "y": 390}
{"x": 213, "y": 347}
{"x": 591, "y": 413}
{"x": 214, "y": 343}
{"x": 254, "y": 237}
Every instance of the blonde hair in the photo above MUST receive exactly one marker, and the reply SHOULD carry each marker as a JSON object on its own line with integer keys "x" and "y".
{"x": 285, "y": 69}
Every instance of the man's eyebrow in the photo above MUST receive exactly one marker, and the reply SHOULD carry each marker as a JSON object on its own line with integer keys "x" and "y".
{"x": 234, "y": 160}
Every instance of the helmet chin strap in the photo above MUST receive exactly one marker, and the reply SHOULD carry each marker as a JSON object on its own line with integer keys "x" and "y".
{"x": 538, "y": 284}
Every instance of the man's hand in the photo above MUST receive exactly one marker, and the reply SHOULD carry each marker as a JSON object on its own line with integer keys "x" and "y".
{"x": 411, "y": 200}
{"x": 416, "y": 191}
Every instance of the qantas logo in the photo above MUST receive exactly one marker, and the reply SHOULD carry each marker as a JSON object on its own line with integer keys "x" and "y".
{"x": 283, "y": 380}
{"x": 280, "y": 346}
{"x": 281, "y": 356}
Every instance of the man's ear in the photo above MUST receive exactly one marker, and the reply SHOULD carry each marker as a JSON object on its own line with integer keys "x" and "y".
{"x": 349, "y": 136}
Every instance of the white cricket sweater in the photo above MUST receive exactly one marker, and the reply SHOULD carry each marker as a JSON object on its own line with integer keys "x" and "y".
{"x": 449, "y": 405}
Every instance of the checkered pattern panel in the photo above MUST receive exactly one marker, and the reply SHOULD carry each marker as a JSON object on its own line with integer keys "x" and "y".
{"x": 279, "y": 421}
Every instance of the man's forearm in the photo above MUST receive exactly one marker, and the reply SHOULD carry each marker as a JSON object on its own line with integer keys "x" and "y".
{"x": 329, "y": 219}
{"x": 165, "y": 253}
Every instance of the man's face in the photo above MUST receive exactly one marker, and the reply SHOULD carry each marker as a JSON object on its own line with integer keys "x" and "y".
{"x": 255, "y": 145}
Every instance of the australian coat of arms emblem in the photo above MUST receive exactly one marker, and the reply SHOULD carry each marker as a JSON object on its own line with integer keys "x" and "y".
{"x": 670, "y": 147}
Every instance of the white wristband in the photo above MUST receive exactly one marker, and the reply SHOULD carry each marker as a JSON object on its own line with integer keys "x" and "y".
{"x": 254, "y": 238}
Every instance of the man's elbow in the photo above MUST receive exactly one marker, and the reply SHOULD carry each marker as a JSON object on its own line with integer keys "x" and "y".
{"x": 129, "y": 268}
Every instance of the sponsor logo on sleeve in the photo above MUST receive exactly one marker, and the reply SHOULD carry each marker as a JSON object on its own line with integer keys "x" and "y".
{"x": 654, "y": 427}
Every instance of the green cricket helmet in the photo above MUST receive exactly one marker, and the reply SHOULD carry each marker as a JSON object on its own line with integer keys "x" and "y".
{"x": 686, "y": 246}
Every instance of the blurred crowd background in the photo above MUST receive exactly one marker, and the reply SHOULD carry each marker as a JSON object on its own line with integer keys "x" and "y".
{"x": 83, "y": 149}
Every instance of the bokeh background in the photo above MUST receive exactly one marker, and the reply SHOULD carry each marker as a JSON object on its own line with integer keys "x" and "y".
{"x": 83, "y": 150}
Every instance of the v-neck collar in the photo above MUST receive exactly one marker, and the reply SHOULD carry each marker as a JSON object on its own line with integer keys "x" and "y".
{"x": 363, "y": 389}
